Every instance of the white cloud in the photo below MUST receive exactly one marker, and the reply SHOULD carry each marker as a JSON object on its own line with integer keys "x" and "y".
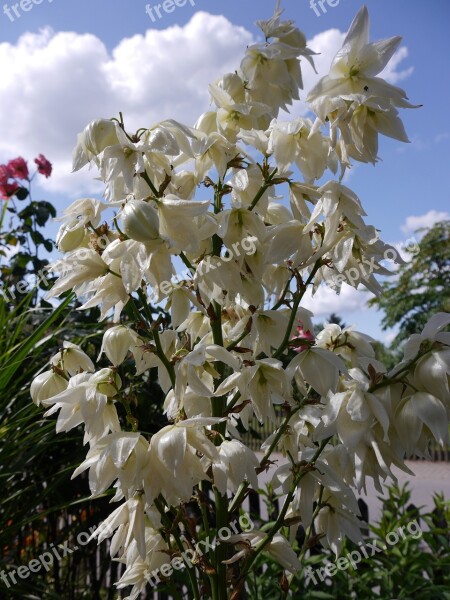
{"x": 389, "y": 338}
{"x": 413, "y": 223}
{"x": 441, "y": 137}
{"x": 390, "y": 73}
{"x": 326, "y": 44}
{"x": 325, "y": 301}
{"x": 53, "y": 84}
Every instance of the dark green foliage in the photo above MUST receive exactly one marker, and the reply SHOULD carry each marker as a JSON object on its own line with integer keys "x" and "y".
{"x": 40, "y": 504}
{"x": 415, "y": 567}
{"x": 421, "y": 288}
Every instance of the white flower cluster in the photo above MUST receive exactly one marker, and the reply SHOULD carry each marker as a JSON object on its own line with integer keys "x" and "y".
{"x": 229, "y": 354}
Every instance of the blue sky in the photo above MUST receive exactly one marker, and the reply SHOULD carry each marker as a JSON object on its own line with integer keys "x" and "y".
{"x": 52, "y": 84}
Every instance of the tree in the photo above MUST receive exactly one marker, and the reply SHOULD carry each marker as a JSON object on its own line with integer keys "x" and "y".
{"x": 421, "y": 288}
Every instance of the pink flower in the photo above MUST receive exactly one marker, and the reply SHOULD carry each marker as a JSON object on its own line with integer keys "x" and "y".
{"x": 8, "y": 189}
{"x": 5, "y": 174}
{"x": 18, "y": 168}
{"x": 44, "y": 166}
{"x": 302, "y": 335}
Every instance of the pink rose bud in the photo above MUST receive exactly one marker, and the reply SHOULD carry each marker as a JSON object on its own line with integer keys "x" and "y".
{"x": 44, "y": 166}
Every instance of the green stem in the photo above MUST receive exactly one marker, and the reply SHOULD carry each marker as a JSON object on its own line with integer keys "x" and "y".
{"x": 284, "y": 344}
{"x": 187, "y": 262}
{"x": 169, "y": 525}
{"x": 203, "y": 509}
{"x": 216, "y": 240}
{"x": 307, "y": 537}
{"x": 283, "y": 296}
{"x": 163, "y": 358}
{"x": 132, "y": 310}
{"x": 298, "y": 296}
{"x": 219, "y": 405}
{"x": 267, "y": 184}
{"x": 243, "y": 335}
{"x": 234, "y": 401}
{"x": 121, "y": 233}
{"x": 317, "y": 510}
{"x": 221, "y": 551}
{"x": 149, "y": 182}
{"x": 396, "y": 379}
{"x": 245, "y": 485}
{"x": 159, "y": 349}
{"x": 3, "y": 213}
{"x": 281, "y": 517}
{"x": 33, "y": 220}
{"x": 145, "y": 306}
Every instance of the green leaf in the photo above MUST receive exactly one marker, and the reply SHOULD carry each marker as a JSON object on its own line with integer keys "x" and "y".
{"x": 15, "y": 361}
{"x": 37, "y": 237}
{"x": 48, "y": 245}
{"x": 22, "y": 193}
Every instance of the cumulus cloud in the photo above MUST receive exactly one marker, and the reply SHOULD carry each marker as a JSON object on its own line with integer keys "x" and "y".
{"x": 325, "y": 301}
{"x": 54, "y": 83}
{"x": 429, "y": 219}
{"x": 326, "y": 44}
{"x": 441, "y": 137}
{"x": 391, "y": 72}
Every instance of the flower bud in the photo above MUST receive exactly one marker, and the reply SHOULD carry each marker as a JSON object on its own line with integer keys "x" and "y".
{"x": 432, "y": 373}
{"x": 140, "y": 221}
{"x": 97, "y": 136}
{"x": 117, "y": 342}
{"x": 233, "y": 85}
{"x": 70, "y": 237}
{"x": 185, "y": 184}
{"x": 107, "y": 381}
{"x": 73, "y": 360}
{"x": 207, "y": 123}
{"x": 100, "y": 134}
{"x": 46, "y": 385}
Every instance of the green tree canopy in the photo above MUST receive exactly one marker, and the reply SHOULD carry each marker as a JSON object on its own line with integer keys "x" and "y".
{"x": 421, "y": 287}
